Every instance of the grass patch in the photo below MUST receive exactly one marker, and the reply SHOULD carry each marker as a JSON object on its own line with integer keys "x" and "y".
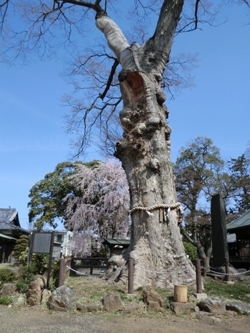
{"x": 92, "y": 290}
{"x": 237, "y": 291}
{"x": 5, "y": 300}
{"x": 167, "y": 296}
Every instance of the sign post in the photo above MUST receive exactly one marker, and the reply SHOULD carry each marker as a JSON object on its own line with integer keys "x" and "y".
{"x": 42, "y": 243}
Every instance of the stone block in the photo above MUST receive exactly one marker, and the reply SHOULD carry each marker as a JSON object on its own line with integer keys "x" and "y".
{"x": 179, "y": 308}
{"x": 154, "y": 306}
{"x": 112, "y": 302}
{"x": 212, "y": 305}
{"x": 89, "y": 307}
{"x": 200, "y": 296}
{"x": 34, "y": 294}
{"x": 238, "y": 306}
{"x": 62, "y": 299}
{"x": 8, "y": 289}
{"x": 133, "y": 308}
{"x": 208, "y": 318}
{"x": 153, "y": 300}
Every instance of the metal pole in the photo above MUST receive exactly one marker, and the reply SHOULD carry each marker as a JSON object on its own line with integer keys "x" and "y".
{"x": 130, "y": 276}
{"x": 198, "y": 277}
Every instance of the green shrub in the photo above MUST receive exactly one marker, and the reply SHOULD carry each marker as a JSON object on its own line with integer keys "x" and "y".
{"x": 22, "y": 286}
{"x": 190, "y": 250}
{"x": 6, "y": 275}
{"x": 27, "y": 274}
{"x": 23, "y": 257}
{"x": 54, "y": 281}
{"x": 21, "y": 245}
{"x": 40, "y": 263}
{"x": 5, "y": 300}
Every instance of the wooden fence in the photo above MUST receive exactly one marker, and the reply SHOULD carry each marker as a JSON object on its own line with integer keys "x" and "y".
{"x": 90, "y": 264}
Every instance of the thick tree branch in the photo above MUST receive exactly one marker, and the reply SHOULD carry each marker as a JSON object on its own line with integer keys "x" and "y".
{"x": 186, "y": 235}
{"x": 165, "y": 30}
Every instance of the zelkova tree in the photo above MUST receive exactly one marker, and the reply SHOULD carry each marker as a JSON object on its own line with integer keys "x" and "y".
{"x": 144, "y": 149}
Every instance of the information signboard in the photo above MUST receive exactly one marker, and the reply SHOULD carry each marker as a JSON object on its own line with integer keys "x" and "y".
{"x": 42, "y": 242}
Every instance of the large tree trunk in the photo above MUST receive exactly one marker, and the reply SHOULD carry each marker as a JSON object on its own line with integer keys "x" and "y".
{"x": 156, "y": 243}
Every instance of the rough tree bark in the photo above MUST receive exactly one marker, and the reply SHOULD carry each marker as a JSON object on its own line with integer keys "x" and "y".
{"x": 144, "y": 151}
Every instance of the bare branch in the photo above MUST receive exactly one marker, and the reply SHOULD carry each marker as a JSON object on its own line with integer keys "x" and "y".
{"x": 110, "y": 79}
{"x": 196, "y": 14}
{"x": 3, "y": 12}
{"x": 246, "y": 2}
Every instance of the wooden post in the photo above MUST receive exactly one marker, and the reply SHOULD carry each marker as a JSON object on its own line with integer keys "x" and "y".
{"x": 227, "y": 277}
{"x": 130, "y": 276}
{"x": 50, "y": 257}
{"x": 61, "y": 272}
{"x": 67, "y": 270}
{"x": 204, "y": 271}
{"x": 3, "y": 254}
{"x": 198, "y": 277}
{"x": 180, "y": 293}
{"x": 91, "y": 266}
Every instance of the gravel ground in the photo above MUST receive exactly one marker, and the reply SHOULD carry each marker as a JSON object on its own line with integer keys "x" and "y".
{"x": 37, "y": 320}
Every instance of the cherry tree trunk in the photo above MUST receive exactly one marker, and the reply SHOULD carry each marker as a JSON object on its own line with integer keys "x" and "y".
{"x": 156, "y": 244}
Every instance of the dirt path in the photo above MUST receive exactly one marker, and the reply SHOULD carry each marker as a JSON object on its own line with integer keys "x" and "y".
{"x": 36, "y": 320}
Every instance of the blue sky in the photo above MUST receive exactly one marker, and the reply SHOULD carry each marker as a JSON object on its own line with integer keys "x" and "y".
{"x": 32, "y": 135}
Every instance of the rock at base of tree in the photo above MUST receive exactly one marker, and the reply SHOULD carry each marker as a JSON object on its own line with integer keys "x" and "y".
{"x": 42, "y": 281}
{"x": 20, "y": 301}
{"x": 153, "y": 300}
{"x": 213, "y": 305}
{"x": 180, "y": 308}
{"x": 112, "y": 302}
{"x": 133, "y": 308}
{"x": 34, "y": 294}
{"x": 45, "y": 296}
{"x": 62, "y": 299}
{"x": 91, "y": 307}
{"x": 8, "y": 289}
{"x": 116, "y": 267}
{"x": 208, "y": 318}
{"x": 154, "y": 307}
{"x": 238, "y": 306}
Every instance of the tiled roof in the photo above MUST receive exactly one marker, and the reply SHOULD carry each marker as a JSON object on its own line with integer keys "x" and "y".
{"x": 6, "y": 237}
{"x": 8, "y": 218}
{"x": 241, "y": 222}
